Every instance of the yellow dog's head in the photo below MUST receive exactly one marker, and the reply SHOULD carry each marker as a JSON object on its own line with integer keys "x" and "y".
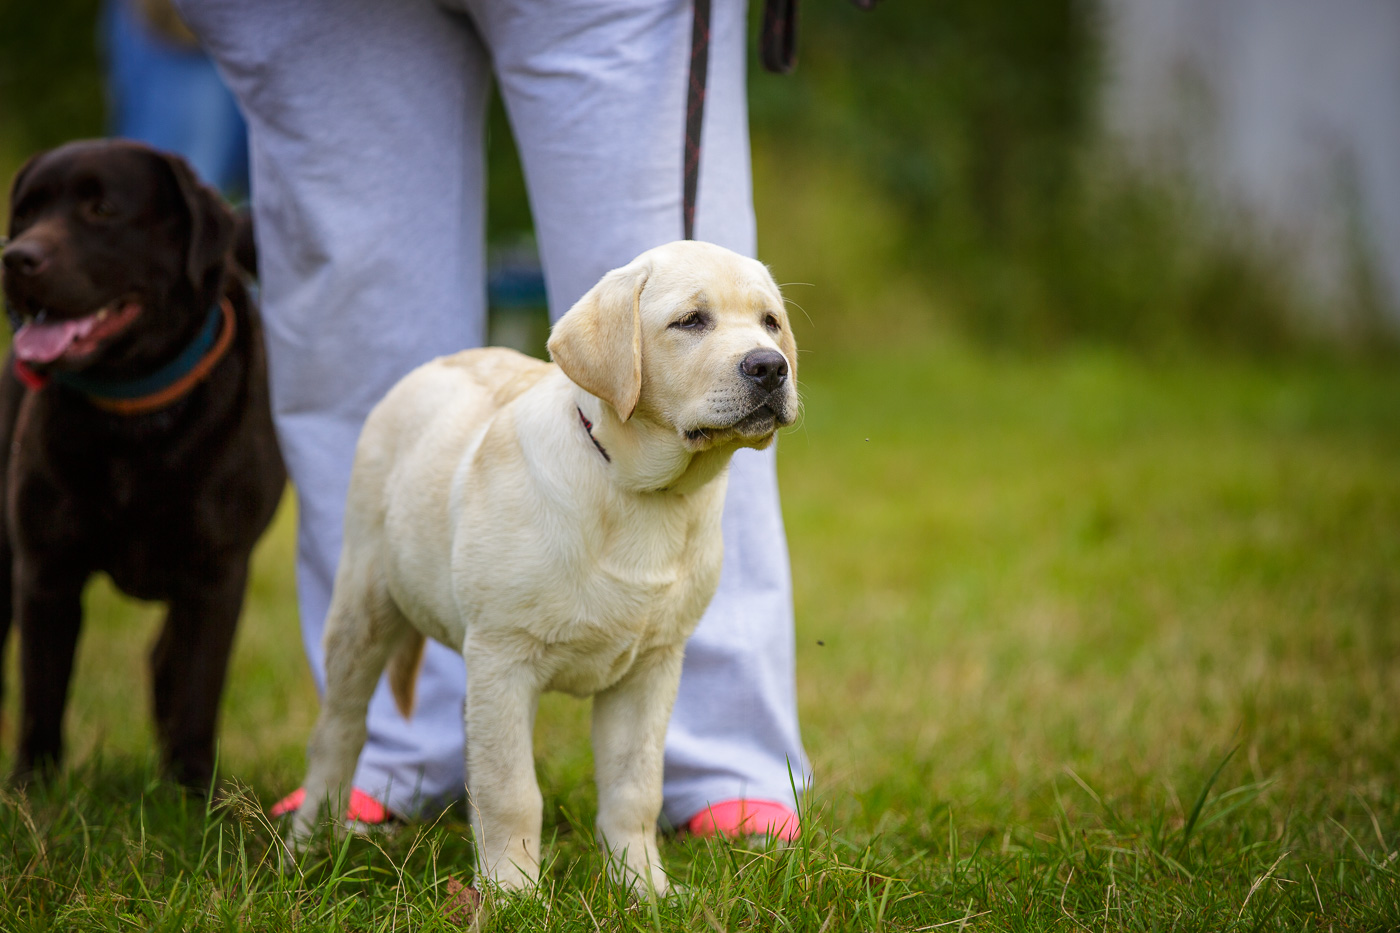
{"x": 690, "y": 335}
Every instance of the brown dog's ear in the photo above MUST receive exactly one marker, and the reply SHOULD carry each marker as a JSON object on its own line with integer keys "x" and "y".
{"x": 211, "y": 222}
{"x": 598, "y": 343}
{"x": 245, "y": 247}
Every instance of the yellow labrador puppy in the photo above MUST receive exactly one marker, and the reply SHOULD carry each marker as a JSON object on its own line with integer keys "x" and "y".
{"x": 559, "y": 524}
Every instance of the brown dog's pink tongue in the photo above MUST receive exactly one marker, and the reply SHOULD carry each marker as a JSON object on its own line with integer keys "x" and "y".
{"x": 44, "y": 343}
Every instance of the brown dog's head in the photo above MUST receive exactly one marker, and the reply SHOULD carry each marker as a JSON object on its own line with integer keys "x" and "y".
{"x": 116, "y": 254}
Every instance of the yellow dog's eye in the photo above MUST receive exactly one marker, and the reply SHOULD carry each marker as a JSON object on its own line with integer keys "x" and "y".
{"x": 770, "y": 321}
{"x": 692, "y": 321}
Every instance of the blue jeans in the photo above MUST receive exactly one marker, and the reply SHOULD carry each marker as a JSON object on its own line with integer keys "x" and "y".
{"x": 170, "y": 96}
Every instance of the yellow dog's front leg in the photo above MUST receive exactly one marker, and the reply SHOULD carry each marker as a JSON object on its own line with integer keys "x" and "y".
{"x": 629, "y": 739}
{"x": 503, "y": 793}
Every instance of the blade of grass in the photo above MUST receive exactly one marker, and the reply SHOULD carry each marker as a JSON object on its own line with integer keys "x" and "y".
{"x": 1201, "y": 802}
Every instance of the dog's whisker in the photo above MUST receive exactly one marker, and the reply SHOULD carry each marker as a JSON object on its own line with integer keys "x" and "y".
{"x": 787, "y": 300}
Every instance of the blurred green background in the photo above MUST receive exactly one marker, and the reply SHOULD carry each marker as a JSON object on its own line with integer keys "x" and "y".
{"x": 935, "y": 167}
{"x": 1088, "y": 491}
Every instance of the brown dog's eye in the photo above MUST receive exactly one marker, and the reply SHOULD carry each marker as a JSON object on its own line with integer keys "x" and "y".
{"x": 102, "y": 208}
{"x": 22, "y": 212}
{"x": 692, "y": 321}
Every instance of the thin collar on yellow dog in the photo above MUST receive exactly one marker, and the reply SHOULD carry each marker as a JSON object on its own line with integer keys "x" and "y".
{"x": 588, "y": 426}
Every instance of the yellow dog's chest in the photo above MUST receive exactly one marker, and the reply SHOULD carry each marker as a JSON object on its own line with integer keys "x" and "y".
{"x": 584, "y": 637}
{"x": 599, "y": 638}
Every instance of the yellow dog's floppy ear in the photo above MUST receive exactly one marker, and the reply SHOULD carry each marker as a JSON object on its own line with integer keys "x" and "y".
{"x": 598, "y": 342}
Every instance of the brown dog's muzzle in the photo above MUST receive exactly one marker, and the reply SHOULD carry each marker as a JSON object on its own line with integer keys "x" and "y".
{"x": 26, "y": 258}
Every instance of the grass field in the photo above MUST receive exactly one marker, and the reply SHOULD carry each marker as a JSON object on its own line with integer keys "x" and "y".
{"x": 1084, "y": 643}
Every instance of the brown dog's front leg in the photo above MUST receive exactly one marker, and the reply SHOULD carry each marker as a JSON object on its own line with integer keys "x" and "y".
{"x": 11, "y": 396}
{"x": 48, "y": 603}
{"x": 7, "y": 603}
{"x": 188, "y": 665}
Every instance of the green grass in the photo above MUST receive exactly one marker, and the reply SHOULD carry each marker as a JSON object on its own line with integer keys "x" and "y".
{"x": 1084, "y": 643}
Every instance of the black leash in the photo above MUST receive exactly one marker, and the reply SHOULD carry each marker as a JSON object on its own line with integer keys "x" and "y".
{"x": 777, "y": 50}
{"x": 778, "y": 46}
{"x": 777, "y": 43}
{"x": 695, "y": 108}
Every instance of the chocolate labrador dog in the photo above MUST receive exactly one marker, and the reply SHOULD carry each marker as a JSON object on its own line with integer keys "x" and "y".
{"x": 136, "y": 436}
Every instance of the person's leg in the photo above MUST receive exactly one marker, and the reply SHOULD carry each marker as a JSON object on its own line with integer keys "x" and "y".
{"x": 365, "y": 122}
{"x": 596, "y": 95}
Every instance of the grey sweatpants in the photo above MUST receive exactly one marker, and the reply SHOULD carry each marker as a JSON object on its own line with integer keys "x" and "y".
{"x": 366, "y": 122}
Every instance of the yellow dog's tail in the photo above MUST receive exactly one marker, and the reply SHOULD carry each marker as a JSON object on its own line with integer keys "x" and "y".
{"x": 404, "y": 665}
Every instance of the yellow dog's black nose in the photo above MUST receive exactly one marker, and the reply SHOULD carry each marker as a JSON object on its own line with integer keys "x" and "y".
{"x": 767, "y": 368}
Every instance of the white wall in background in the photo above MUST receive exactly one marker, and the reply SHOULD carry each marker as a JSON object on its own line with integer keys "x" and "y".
{"x": 1287, "y": 109}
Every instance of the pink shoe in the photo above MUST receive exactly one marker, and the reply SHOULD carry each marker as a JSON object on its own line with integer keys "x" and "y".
{"x": 734, "y": 818}
{"x": 362, "y": 808}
